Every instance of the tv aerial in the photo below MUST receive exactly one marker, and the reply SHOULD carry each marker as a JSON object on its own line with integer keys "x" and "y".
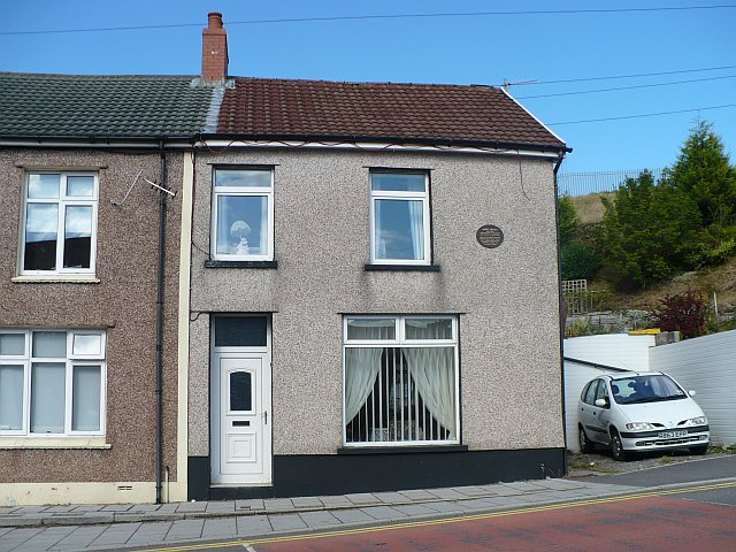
{"x": 153, "y": 185}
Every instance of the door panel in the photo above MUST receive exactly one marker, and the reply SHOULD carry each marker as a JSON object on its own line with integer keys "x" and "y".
{"x": 241, "y": 440}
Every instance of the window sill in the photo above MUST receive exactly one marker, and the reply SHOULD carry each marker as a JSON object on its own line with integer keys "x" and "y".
{"x": 22, "y": 442}
{"x": 240, "y": 264}
{"x": 398, "y": 449}
{"x": 56, "y": 279}
{"x": 401, "y": 268}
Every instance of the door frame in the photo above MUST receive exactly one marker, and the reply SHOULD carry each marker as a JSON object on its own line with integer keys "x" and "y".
{"x": 217, "y": 353}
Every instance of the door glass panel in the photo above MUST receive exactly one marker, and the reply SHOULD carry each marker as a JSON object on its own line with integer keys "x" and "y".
{"x": 77, "y": 236}
{"x": 47, "y": 397}
{"x": 241, "y": 391}
{"x": 86, "y": 398}
{"x": 11, "y": 397}
{"x": 42, "y": 220}
{"x": 240, "y": 331}
{"x": 12, "y": 344}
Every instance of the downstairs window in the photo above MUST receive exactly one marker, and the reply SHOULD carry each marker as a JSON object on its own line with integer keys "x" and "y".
{"x": 400, "y": 380}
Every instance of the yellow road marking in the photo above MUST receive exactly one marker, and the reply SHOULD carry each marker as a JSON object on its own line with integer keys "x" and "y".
{"x": 443, "y": 521}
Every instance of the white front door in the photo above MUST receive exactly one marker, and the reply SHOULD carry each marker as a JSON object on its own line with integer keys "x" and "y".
{"x": 241, "y": 411}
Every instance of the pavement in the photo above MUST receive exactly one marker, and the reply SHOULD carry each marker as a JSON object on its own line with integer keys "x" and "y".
{"x": 235, "y": 525}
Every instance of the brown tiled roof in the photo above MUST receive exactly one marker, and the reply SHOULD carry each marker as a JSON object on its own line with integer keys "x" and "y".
{"x": 426, "y": 113}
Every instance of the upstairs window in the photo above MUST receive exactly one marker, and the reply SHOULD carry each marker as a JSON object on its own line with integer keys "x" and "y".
{"x": 400, "y": 232}
{"x": 242, "y": 215}
{"x": 59, "y": 223}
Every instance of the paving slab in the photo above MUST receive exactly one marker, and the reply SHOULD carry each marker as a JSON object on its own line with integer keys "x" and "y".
{"x": 524, "y": 486}
{"x": 352, "y": 516}
{"x": 250, "y": 504}
{"x": 383, "y": 512}
{"x": 335, "y": 501}
{"x": 150, "y": 533}
{"x": 191, "y": 507}
{"x": 278, "y": 504}
{"x": 286, "y": 522}
{"x": 418, "y": 494}
{"x": 253, "y": 525}
{"x": 391, "y": 498}
{"x": 81, "y": 537}
{"x": 219, "y": 528}
{"x": 319, "y": 519}
{"x": 414, "y": 509}
{"x": 117, "y": 508}
{"x": 362, "y": 499}
{"x": 47, "y": 538}
{"x": 17, "y": 537}
{"x": 444, "y": 507}
{"x": 471, "y": 491}
{"x": 307, "y": 502}
{"x": 116, "y": 534}
{"x": 445, "y": 494}
{"x": 220, "y": 507}
{"x": 185, "y": 529}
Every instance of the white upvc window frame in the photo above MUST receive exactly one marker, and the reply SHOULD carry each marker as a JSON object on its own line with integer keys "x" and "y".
{"x": 400, "y": 341}
{"x": 71, "y": 361}
{"x": 424, "y": 196}
{"x": 63, "y": 201}
{"x": 242, "y": 191}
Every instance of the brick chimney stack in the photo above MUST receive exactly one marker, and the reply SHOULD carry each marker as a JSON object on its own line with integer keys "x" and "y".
{"x": 214, "y": 49}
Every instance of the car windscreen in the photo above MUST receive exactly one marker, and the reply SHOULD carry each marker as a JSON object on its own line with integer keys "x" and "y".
{"x": 643, "y": 389}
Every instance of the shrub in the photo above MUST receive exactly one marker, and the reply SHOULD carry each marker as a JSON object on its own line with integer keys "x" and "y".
{"x": 683, "y": 312}
{"x": 568, "y": 219}
{"x": 578, "y": 260}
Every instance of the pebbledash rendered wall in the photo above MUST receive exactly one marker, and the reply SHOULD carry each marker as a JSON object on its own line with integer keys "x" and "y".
{"x": 507, "y": 299}
{"x": 123, "y": 304}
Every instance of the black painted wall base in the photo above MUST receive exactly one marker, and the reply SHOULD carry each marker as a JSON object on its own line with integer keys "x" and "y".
{"x": 313, "y": 475}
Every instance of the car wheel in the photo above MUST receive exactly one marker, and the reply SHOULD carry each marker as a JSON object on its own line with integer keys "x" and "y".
{"x": 585, "y": 445}
{"x": 617, "y": 447}
{"x": 700, "y": 449}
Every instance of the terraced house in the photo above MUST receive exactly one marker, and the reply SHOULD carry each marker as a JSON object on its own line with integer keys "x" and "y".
{"x": 354, "y": 288}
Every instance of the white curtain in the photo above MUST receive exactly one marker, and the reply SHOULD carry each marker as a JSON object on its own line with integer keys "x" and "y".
{"x": 11, "y": 396}
{"x": 380, "y": 240}
{"x": 417, "y": 234}
{"x": 361, "y": 370}
{"x": 433, "y": 373}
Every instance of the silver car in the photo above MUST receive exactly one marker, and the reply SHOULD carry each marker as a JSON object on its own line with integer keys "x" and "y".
{"x": 640, "y": 411}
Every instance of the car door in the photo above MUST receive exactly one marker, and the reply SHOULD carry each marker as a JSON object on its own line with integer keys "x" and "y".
{"x": 586, "y": 409}
{"x": 602, "y": 415}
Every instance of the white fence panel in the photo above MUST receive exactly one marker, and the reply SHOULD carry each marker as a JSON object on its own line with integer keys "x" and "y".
{"x": 706, "y": 365}
{"x": 628, "y": 352}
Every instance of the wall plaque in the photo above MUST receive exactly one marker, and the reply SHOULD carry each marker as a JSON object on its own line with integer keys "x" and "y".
{"x": 489, "y": 236}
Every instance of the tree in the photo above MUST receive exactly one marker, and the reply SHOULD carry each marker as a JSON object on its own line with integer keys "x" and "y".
{"x": 568, "y": 220}
{"x": 648, "y": 232}
{"x": 578, "y": 260}
{"x": 703, "y": 172}
{"x": 683, "y": 312}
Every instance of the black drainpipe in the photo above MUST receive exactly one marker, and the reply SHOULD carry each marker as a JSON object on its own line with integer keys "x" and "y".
{"x": 561, "y": 317}
{"x": 160, "y": 324}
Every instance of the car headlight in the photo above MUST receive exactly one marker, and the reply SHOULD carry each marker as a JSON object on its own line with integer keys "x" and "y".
{"x": 700, "y": 420}
{"x": 639, "y": 426}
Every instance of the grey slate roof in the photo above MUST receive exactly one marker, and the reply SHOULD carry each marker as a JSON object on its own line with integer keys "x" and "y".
{"x": 115, "y": 107}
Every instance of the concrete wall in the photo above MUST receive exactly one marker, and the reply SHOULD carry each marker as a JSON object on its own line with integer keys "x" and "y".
{"x": 706, "y": 365}
{"x": 628, "y": 352}
{"x": 123, "y": 303}
{"x": 510, "y": 371}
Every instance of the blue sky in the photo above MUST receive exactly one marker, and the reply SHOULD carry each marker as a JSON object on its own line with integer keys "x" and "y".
{"x": 477, "y": 50}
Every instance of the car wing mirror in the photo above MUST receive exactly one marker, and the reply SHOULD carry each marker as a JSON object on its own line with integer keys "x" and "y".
{"x": 691, "y": 392}
{"x": 601, "y": 403}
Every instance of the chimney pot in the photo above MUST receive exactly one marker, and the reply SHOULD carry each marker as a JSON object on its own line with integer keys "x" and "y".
{"x": 214, "y": 49}
{"x": 214, "y": 20}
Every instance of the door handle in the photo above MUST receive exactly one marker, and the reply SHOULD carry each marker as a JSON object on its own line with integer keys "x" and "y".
{"x": 265, "y": 417}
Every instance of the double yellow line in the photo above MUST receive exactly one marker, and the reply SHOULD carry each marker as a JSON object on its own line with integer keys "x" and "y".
{"x": 443, "y": 521}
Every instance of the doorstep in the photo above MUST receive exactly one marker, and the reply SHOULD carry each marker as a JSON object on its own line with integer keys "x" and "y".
{"x": 511, "y": 494}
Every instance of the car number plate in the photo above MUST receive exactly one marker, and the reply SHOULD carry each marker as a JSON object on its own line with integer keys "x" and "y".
{"x": 672, "y": 434}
